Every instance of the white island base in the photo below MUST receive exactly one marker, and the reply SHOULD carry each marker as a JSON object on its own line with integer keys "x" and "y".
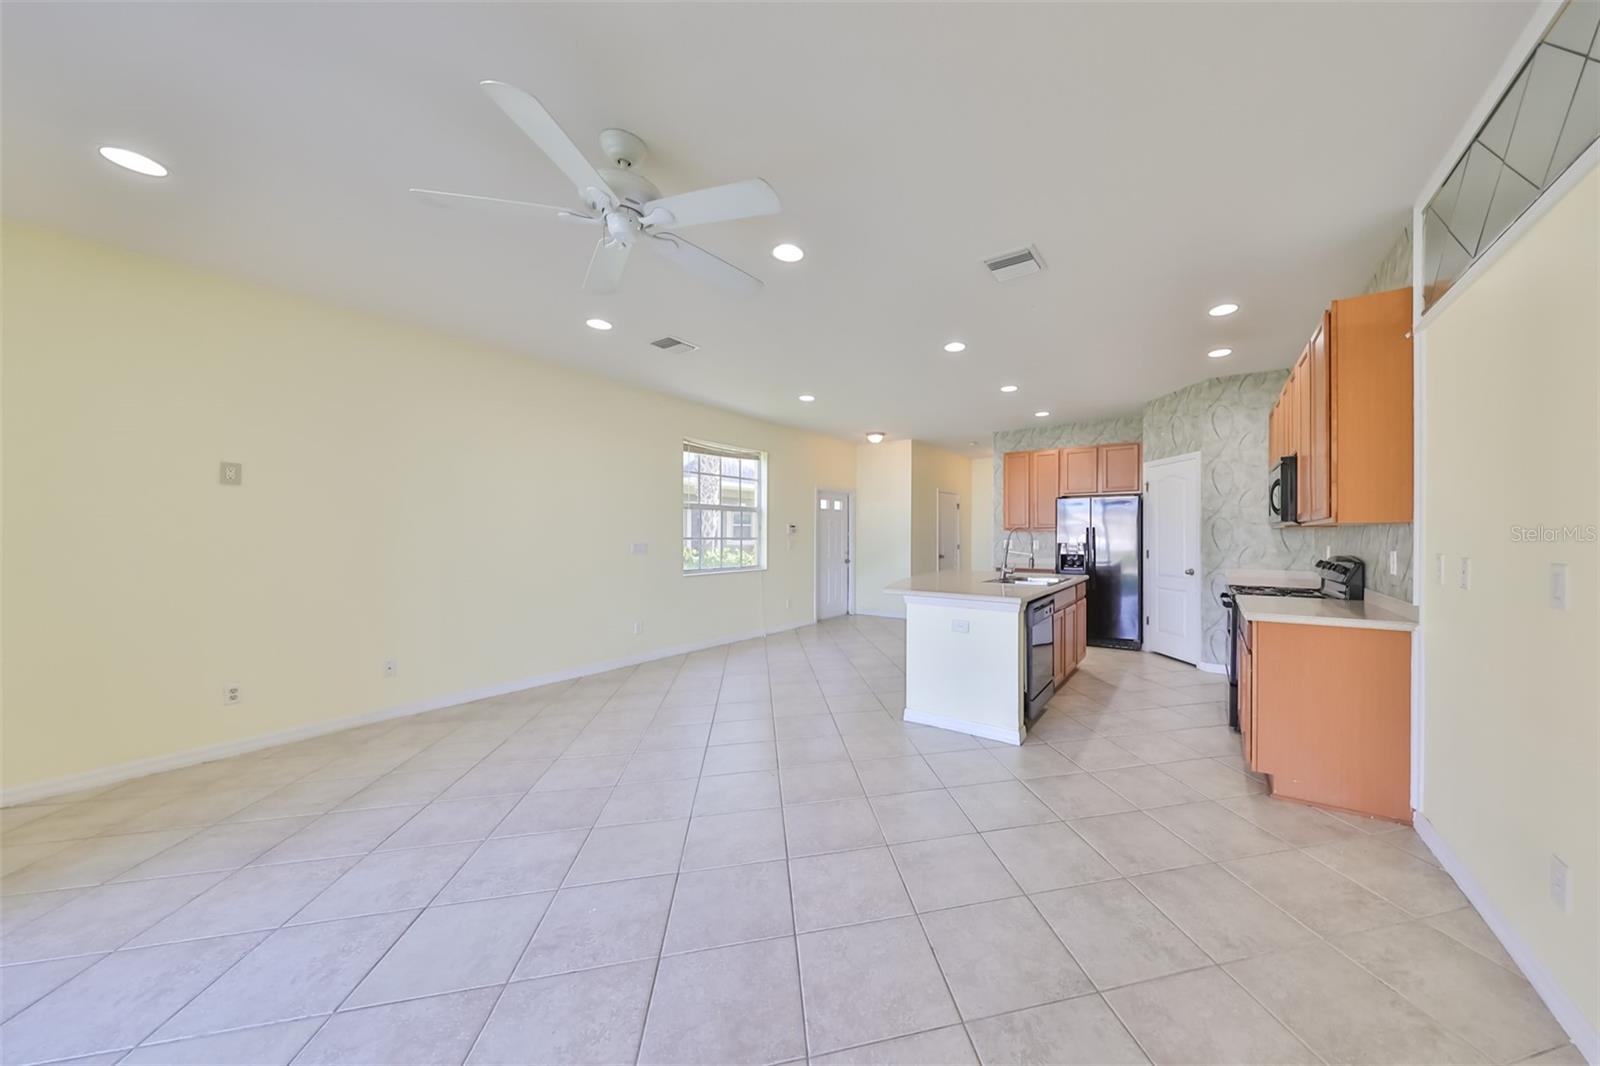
{"x": 966, "y": 651}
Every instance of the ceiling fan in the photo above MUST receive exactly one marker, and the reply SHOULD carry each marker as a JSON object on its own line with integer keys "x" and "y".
{"x": 628, "y": 208}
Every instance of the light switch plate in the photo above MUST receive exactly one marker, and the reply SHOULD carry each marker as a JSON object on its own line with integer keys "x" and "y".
{"x": 1394, "y": 563}
{"x": 1438, "y": 568}
{"x": 960, "y": 625}
{"x": 231, "y": 474}
{"x": 1465, "y": 580}
{"x": 1560, "y": 885}
{"x": 1558, "y": 586}
{"x": 640, "y": 548}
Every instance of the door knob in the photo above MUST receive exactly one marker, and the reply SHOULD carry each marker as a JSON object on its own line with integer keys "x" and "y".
{"x": 1190, "y": 571}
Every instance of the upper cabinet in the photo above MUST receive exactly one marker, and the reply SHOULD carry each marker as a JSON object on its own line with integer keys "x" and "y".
{"x": 1044, "y": 470}
{"x": 1018, "y": 499}
{"x": 1119, "y": 467}
{"x": 1345, "y": 413}
{"x": 1033, "y": 480}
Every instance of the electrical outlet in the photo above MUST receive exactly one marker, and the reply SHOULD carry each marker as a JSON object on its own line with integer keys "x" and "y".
{"x": 390, "y": 668}
{"x": 638, "y": 627}
{"x": 1394, "y": 563}
{"x": 1560, "y": 885}
{"x": 1465, "y": 579}
{"x": 1558, "y": 586}
{"x": 231, "y": 474}
{"x": 960, "y": 625}
{"x": 232, "y": 693}
{"x": 788, "y": 602}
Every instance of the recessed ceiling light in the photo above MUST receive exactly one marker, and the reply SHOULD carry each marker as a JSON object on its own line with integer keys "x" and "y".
{"x": 1041, "y": 414}
{"x": 874, "y": 438}
{"x": 1222, "y": 309}
{"x": 597, "y": 323}
{"x": 806, "y": 397}
{"x": 972, "y": 444}
{"x": 134, "y": 161}
{"x": 1008, "y": 388}
{"x": 1218, "y": 353}
{"x": 788, "y": 253}
{"x": 955, "y": 346}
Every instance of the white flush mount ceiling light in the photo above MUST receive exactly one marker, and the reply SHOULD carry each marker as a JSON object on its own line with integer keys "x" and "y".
{"x": 806, "y": 397}
{"x": 1008, "y": 388}
{"x": 874, "y": 438}
{"x": 788, "y": 253}
{"x": 128, "y": 159}
{"x": 597, "y": 323}
{"x": 1220, "y": 353}
{"x": 1041, "y": 414}
{"x": 1222, "y": 310}
{"x": 955, "y": 346}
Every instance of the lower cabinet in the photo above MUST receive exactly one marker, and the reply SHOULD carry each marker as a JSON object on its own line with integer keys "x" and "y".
{"x": 1325, "y": 712}
{"x": 1067, "y": 612}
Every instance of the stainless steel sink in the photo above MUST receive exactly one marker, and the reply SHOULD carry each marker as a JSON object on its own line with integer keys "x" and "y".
{"x": 1030, "y": 579}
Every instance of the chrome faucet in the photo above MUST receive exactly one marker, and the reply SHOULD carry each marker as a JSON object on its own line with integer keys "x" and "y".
{"x": 1006, "y": 569}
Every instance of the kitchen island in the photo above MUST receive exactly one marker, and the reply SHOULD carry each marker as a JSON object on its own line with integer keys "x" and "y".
{"x": 967, "y": 647}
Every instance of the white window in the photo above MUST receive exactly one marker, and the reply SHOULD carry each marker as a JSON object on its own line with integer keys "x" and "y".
{"x": 724, "y": 507}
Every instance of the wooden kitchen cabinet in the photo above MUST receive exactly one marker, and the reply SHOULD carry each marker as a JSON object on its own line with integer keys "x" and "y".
{"x": 1044, "y": 473}
{"x": 1080, "y": 471}
{"x": 1015, "y": 480}
{"x": 1066, "y": 610}
{"x": 1119, "y": 467}
{"x": 1032, "y": 481}
{"x": 1346, "y": 413}
{"x": 1325, "y": 712}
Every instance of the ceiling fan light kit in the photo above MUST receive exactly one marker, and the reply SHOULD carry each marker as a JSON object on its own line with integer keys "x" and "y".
{"x": 629, "y": 209}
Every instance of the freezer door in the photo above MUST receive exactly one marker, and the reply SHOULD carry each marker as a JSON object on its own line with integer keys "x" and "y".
{"x": 1114, "y": 578}
{"x": 1072, "y": 528}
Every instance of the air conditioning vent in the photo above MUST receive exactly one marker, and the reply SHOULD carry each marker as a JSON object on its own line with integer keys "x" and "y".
{"x": 673, "y": 344}
{"x": 1014, "y": 265}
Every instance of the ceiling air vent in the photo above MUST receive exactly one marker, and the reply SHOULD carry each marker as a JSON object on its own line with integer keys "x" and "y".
{"x": 673, "y": 344}
{"x": 1014, "y": 265}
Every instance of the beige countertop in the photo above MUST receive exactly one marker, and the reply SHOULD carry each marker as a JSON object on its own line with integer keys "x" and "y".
{"x": 1375, "y": 612}
{"x": 978, "y": 585}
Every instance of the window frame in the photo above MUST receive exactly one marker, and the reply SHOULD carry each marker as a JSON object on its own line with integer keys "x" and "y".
{"x": 758, "y": 511}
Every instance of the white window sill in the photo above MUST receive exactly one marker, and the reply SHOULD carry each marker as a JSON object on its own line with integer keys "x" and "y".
{"x": 726, "y": 570}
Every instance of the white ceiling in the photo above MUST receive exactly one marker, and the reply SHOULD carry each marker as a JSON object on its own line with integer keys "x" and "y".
{"x": 1162, "y": 158}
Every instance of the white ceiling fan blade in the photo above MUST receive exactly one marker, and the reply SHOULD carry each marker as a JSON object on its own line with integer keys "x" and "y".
{"x": 723, "y": 203}
{"x": 440, "y": 198}
{"x": 606, "y": 265}
{"x": 698, "y": 261}
{"x": 531, "y": 117}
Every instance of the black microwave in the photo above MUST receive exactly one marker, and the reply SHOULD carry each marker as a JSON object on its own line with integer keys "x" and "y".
{"x": 1283, "y": 492}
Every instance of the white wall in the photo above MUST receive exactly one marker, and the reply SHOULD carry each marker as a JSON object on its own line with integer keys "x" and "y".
{"x": 935, "y": 470}
{"x": 980, "y": 555}
{"x": 883, "y": 525}
{"x": 464, "y": 510}
{"x": 1511, "y": 727}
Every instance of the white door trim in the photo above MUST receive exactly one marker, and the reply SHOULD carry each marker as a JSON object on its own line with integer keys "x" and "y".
{"x": 1148, "y": 571}
{"x": 850, "y": 549}
{"x": 938, "y": 546}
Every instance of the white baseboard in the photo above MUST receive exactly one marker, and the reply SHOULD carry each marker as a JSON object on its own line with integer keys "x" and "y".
{"x": 127, "y": 771}
{"x": 901, "y": 617}
{"x": 1213, "y": 668}
{"x": 960, "y": 725}
{"x": 1582, "y": 1034}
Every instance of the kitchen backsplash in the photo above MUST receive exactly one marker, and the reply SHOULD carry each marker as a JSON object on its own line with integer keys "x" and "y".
{"x": 1042, "y": 544}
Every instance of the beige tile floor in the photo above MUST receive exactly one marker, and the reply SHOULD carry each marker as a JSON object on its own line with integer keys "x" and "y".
{"x": 743, "y": 855}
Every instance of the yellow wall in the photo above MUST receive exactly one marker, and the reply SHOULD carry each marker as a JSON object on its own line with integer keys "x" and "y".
{"x": 980, "y": 556}
{"x": 883, "y": 525}
{"x": 464, "y": 510}
{"x": 1512, "y": 687}
{"x": 935, "y": 470}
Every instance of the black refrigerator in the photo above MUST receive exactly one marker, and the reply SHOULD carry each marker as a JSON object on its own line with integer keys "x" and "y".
{"x": 1101, "y": 536}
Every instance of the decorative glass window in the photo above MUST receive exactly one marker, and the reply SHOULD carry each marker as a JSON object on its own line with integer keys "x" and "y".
{"x": 1543, "y": 123}
{"x": 724, "y": 506}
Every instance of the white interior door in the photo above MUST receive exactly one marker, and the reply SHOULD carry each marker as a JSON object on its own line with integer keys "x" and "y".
{"x": 833, "y": 554}
{"x": 949, "y": 531}
{"x": 1173, "y": 581}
